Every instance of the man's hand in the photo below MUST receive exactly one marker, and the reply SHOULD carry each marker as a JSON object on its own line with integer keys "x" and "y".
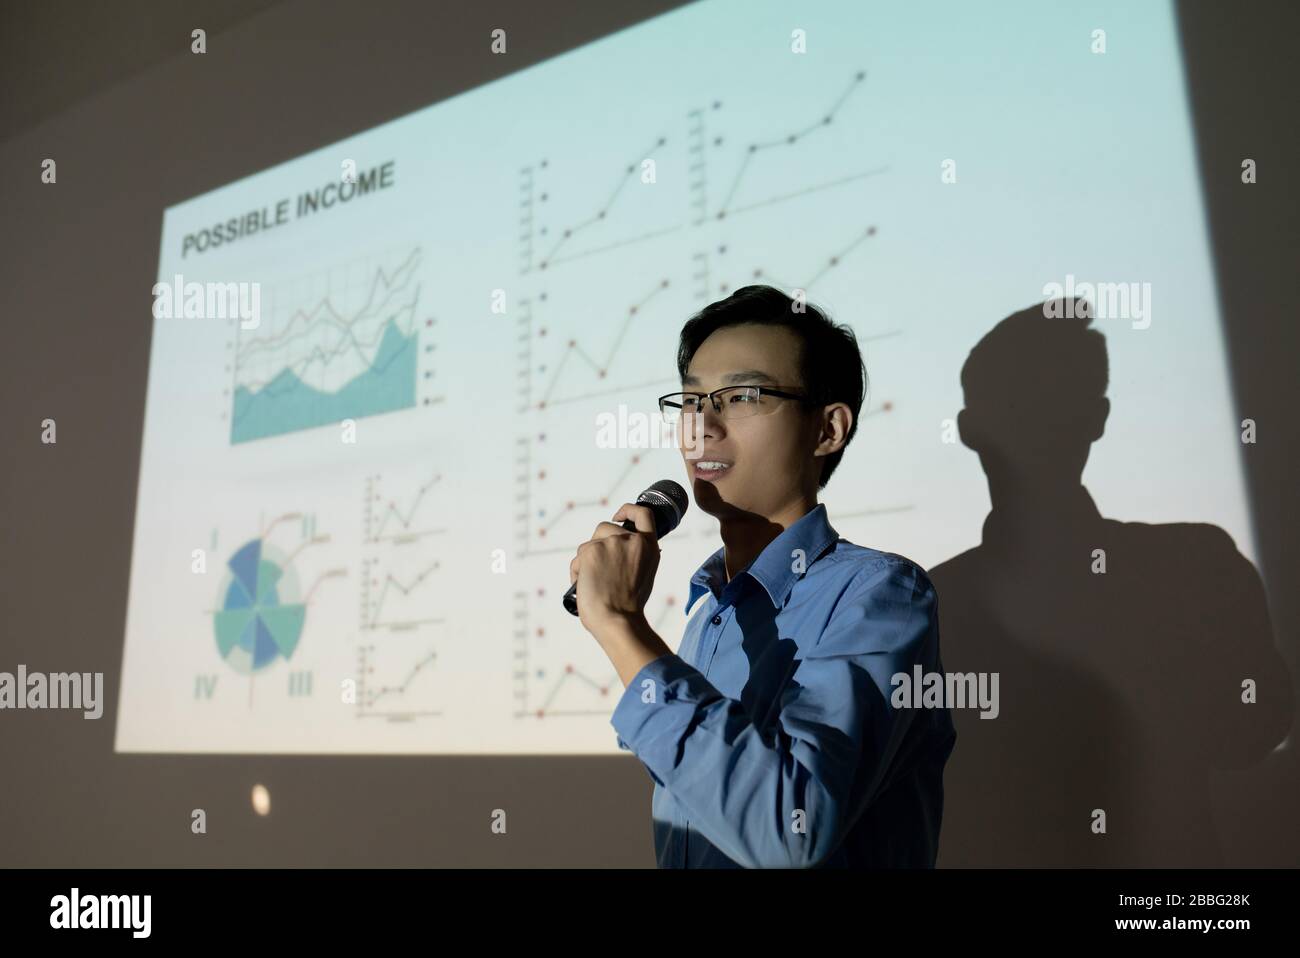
{"x": 615, "y": 569}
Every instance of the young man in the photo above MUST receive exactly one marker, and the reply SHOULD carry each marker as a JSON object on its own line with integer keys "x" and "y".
{"x": 770, "y": 735}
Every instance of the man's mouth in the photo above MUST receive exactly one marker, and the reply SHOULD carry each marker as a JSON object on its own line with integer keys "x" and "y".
{"x": 710, "y": 469}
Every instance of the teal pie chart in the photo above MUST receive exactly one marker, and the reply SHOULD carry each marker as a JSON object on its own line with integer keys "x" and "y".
{"x": 260, "y": 617}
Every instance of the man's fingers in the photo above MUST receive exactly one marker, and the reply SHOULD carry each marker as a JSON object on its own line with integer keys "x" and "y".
{"x": 576, "y": 562}
{"x": 606, "y": 529}
{"x": 641, "y": 515}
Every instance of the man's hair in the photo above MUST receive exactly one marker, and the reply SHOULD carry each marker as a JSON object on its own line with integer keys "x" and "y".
{"x": 830, "y": 362}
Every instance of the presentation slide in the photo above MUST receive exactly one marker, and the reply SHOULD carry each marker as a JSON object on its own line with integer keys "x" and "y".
{"x": 394, "y": 383}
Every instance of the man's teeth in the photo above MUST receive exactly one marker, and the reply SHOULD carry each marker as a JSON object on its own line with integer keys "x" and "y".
{"x": 709, "y": 464}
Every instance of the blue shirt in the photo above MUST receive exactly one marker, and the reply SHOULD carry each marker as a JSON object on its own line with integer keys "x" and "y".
{"x": 770, "y": 734}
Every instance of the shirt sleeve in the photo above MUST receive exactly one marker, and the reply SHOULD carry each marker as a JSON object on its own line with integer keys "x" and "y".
{"x": 782, "y": 797}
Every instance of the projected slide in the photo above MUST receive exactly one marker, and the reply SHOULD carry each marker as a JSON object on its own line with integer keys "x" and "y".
{"x": 364, "y": 472}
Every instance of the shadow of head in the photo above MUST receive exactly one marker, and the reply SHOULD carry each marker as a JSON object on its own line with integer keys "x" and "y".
{"x": 1034, "y": 390}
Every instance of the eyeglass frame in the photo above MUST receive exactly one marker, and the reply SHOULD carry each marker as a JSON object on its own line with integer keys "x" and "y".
{"x": 717, "y": 405}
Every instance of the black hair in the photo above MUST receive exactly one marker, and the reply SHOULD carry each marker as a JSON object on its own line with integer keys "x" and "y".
{"x": 830, "y": 362}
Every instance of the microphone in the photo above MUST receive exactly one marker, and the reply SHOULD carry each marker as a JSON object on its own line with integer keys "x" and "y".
{"x": 668, "y": 501}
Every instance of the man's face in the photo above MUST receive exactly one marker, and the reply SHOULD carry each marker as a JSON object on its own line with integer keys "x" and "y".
{"x": 768, "y": 455}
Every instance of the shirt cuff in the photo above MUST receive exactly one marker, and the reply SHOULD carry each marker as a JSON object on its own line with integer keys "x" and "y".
{"x": 631, "y": 714}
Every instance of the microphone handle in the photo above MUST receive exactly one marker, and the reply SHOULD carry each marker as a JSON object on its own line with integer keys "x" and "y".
{"x": 571, "y": 597}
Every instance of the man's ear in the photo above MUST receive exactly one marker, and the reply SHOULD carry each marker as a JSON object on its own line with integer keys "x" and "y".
{"x": 836, "y": 421}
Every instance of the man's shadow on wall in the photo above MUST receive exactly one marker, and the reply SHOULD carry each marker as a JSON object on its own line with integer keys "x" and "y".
{"x": 1119, "y": 690}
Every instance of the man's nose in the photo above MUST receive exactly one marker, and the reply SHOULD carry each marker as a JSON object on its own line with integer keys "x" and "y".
{"x": 711, "y": 418}
{"x": 698, "y": 426}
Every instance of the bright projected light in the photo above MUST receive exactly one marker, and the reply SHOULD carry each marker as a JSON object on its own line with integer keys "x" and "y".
{"x": 355, "y": 518}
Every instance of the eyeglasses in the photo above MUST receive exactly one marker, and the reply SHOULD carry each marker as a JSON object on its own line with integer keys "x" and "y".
{"x": 733, "y": 402}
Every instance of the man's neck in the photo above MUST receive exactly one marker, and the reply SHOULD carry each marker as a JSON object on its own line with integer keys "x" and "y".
{"x": 1035, "y": 497}
{"x": 747, "y": 534}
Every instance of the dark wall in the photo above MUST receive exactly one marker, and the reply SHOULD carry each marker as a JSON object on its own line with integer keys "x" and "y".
{"x": 280, "y": 79}
{"x": 1243, "y": 89}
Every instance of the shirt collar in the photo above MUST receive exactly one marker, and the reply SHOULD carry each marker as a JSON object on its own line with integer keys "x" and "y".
{"x": 774, "y": 568}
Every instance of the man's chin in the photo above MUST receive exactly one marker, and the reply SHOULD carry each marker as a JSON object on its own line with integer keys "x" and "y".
{"x": 710, "y": 499}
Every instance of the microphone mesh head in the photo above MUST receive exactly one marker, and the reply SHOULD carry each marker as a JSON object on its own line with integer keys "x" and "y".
{"x": 673, "y": 493}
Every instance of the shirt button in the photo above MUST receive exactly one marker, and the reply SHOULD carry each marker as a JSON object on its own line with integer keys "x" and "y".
{"x": 717, "y": 620}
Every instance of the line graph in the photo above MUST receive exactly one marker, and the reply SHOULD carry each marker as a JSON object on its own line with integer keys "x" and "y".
{"x": 548, "y": 684}
{"x": 753, "y": 150}
{"x": 542, "y": 691}
{"x": 600, "y": 227}
{"x": 760, "y": 274}
{"x": 590, "y": 370}
{"x": 386, "y": 596}
{"x": 410, "y": 692}
{"x": 340, "y": 343}
{"x": 539, "y": 510}
{"x": 396, "y": 520}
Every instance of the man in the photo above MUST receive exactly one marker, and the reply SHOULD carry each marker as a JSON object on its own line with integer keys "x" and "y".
{"x": 770, "y": 735}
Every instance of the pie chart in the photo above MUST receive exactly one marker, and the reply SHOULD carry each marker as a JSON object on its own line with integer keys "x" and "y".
{"x": 260, "y": 616}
